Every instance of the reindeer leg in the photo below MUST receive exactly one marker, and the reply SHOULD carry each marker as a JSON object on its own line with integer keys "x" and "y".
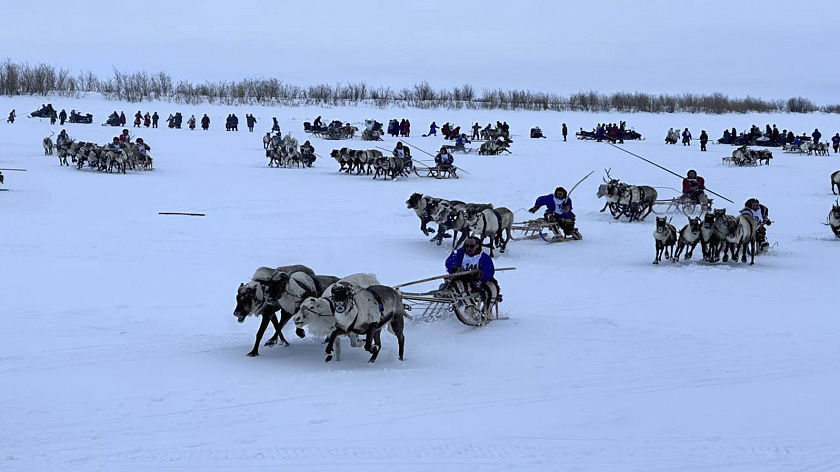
{"x": 330, "y": 342}
{"x": 265, "y": 318}
{"x": 377, "y": 343}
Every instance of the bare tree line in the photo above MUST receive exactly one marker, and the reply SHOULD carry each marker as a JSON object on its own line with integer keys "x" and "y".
{"x": 22, "y": 78}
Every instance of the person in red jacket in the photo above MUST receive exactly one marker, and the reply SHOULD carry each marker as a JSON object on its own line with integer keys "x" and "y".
{"x": 694, "y": 187}
{"x": 138, "y": 118}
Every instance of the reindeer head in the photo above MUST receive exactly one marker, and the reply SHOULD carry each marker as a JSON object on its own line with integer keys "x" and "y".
{"x": 342, "y": 297}
{"x": 311, "y": 309}
{"x": 694, "y": 225}
{"x": 733, "y": 227}
{"x": 661, "y": 224}
{"x": 708, "y": 220}
{"x": 276, "y": 285}
{"x": 720, "y": 214}
{"x": 247, "y": 300}
{"x": 835, "y": 211}
{"x": 414, "y": 200}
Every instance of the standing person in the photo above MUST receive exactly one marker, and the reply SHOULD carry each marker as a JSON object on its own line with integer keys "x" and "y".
{"x": 476, "y": 129}
{"x": 191, "y": 122}
{"x": 252, "y": 120}
{"x": 275, "y": 126}
{"x": 406, "y": 130}
{"x": 171, "y": 121}
{"x": 155, "y": 119}
{"x": 622, "y": 126}
{"x": 565, "y": 131}
{"x": 205, "y": 122}
{"x": 432, "y": 128}
{"x": 11, "y": 118}
{"x": 138, "y": 118}
{"x": 227, "y": 123}
{"x": 147, "y": 120}
{"x": 816, "y": 135}
{"x": 704, "y": 138}
{"x": 235, "y": 122}
{"x": 62, "y": 117}
{"x": 178, "y": 119}
{"x": 835, "y": 142}
{"x": 686, "y": 135}
{"x": 122, "y": 118}
{"x": 53, "y": 116}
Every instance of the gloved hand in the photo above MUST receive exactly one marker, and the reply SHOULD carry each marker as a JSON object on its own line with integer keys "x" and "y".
{"x": 532, "y": 210}
{"x": 768, "y": 222}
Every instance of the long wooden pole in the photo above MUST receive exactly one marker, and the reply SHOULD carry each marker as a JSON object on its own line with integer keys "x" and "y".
{"x": 449, "y": 276}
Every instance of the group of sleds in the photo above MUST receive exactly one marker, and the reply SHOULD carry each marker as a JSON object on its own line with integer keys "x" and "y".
{"x": 47, "y": 111}
{"x": 116, "y": 156}
{"x": 334, "y": 130}
{"x": 283, "y": 151}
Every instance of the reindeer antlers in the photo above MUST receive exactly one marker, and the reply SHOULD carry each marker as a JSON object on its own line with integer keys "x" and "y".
{"x": 608, "y": 174}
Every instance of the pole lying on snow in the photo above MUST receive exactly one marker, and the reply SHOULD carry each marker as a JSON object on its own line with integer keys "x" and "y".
{"x": 179, "y": 213}
{"x": 665, "y": 169}
{"x": 16, "y": 170}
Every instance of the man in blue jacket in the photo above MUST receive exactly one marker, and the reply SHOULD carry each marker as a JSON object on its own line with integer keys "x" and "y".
{"x": 558, "y": 210}
{"x": 471, "y": 257}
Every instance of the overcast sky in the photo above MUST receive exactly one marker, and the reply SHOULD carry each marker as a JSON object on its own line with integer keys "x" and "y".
{"x": 767, "y": 49}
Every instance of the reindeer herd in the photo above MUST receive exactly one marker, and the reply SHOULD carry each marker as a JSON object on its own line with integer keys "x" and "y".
{"x": 463, "y": 219}
{"x": 107, "y": 158}
{"x": 717, "y": 233}
{"x": 353, "y": 306}
{"x": 283, "y": 151}
{"x": 372, "y": 161}
{"x": 633, "y": 201}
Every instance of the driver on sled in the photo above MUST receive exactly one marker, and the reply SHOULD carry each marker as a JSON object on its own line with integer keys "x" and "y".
{"x": 444, "y": 159}
{"x": 468, "y": 258}
{"x": 759, "y": 213}
{"x": 559, "y": 211}
{"x": 693, "y": 188}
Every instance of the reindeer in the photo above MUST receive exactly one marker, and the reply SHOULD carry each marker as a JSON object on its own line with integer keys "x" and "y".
{"x": 834, "y": 218}
{"x": 689, "y": 236}
{"x": 610, "y": 190}
{"x": 740, "y": 234}
{"x": 48, "y": 145}
{"x": 721, "y": 227}
{"x": 638, "y": 198}
{"x": 491, "y": 223}
{"x": 709, "y": 238}
{"x": 665, "y": 236}
{"x": 835, "y": 181}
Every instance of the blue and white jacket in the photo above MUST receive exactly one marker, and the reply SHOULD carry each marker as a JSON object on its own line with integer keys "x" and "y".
{"x": 485, "y": 264}
{"x": 550, "y": 204}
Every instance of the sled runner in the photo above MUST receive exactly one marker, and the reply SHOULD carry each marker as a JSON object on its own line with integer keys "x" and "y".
{"x": 472, "y": 307}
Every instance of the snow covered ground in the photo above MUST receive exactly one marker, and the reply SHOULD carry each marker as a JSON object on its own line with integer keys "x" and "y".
{"x": 119, "y": 351}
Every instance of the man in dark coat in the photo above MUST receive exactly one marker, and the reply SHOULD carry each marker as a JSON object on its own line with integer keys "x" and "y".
{"x": 62, "y": 117}
{"x": 205, "y": 122}
{"x": 565, "y": 131}
{"x": 704, "y": 138}
{"x": 155, "y": 119}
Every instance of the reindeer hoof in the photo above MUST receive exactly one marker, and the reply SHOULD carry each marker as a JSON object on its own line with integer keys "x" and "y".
{"x": 328, "y": 358}
{"x": 656, "y": 262}
{"x": 300, "y": 332}
{"x": 270, "y": 342}
{"x": 253, "y": 354}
